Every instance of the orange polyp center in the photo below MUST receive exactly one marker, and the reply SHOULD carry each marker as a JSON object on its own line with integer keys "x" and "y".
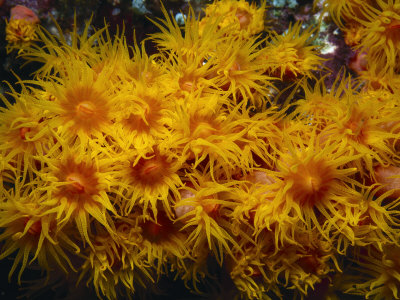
{"x": 150, "y": 168}
{"x": 309, "y": 264}
{"x": 156, "y": 232}
{"x": 252, "y": 271}
{"x": 152, "y": 229}
{"x": 148, "y": 76}
{"x": 356, "y": 124}
{"x": 187, "y": 86}
{"x": 365, "y": 220}
{"x": 392, "y": 30}
{"x": 35, "y": 229}
{"x": 211, "y": 209}
{"x": 76, "y": 183}
{"x": 148, "y": 119}
{"x": 244, "y": 18}
{"x": 187, "y": 83}
{"x": 313, "y": 183}
{"x": 86, "y": 109}
{"x": 358, "y": 62}
{"x": 150, "y": 171}
{"x": 23, "y": 131}
{"x": 235, "y": 67}
{"x": 203, "y": 130}
{"x": 394, "y": 24}
{"x": 136, "y": 122}
{"x": 310, "y": 182}
{"x": 79, "y": 180}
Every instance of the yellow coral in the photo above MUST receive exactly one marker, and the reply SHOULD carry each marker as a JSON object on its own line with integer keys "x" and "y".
{"x": 342, "y": 11}
{"x": 201, "y": 209}
{"x": 117, "y": 258}
{"x": 380, "y": 35}
{"x": 242, "y": 18}
{"x": 24, "y": 132}
{"x": 31, "y": 230}
{"x": 57, "y": 52}
{"x": 76, "y": 187}
{"x": 380, "y": 280}
{"x": 180, "y": 162}
{"x": 292, "y": 54}
{"x": 20, "y": 33}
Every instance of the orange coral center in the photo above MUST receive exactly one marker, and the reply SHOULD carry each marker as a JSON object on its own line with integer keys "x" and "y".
{"x": 148, "y": 76}
{"x": 81, "y": 180}
{"x": 235, "y": 66}
{"x": 85, "y": 109}
{"x": 211, "y": 209}
{"x": 203, "y": 130}
{"x": 392, "y": 29}
{"x": 393, "y": 25}
{"x": 356, "y": 126}
{"x": 150, "y": 168}
{"x": 244, "y": 18}
{"x": 135, "y": 122}
{"x": 187, "y": 82}
{"x": 156, "y": 232}
{"x": 87, "y": 106}
{"x": 76, "y": 183}
{"x": 23, "y": 131}
{"x": 311, "y": 181}
{"x": 309, "y": 264}
{"x": 358, "y": 62}
{"x": 149, "y": 119}
{"x": 186, "y": 85}
{"x": 150, "y": 171}
{"x": 35, "y": 229}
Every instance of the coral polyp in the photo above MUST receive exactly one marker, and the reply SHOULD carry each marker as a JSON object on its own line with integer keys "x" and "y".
{"x": 380, "y": 35}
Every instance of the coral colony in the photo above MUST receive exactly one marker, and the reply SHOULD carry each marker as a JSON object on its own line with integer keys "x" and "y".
{"x": 224, "y": 150}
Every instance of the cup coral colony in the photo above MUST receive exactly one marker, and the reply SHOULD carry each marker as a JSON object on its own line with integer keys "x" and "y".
{"x": 199, "y": 160}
